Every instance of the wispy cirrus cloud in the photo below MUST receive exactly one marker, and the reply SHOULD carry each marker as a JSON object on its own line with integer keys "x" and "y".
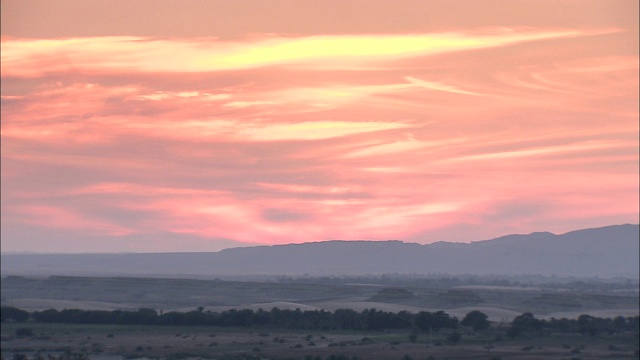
{"x": 55, "y": 217}
{"x": 276, "y": 139}
{"x": 30, "y": 58}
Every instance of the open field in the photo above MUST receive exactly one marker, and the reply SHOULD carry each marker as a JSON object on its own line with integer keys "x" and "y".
{"x": 110, "y": 342}
{"x": 500, "y": 303}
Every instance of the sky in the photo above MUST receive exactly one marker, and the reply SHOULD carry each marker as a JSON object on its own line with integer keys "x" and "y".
{"x": 187, "y": 125}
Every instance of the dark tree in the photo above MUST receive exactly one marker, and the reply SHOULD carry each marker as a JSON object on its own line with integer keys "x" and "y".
{"x": 587, "y": 325}
{"x": 147, "y": 316}
{"x": 9, "y": 313}
{"x": 477, "y": 320}
{"x": 346, "y": 319}
{"x": 454, "y": 338}
{"x": 374, "y": 320}
{"x": 46, "y": 316}
{"x": 427, "y": 321}
{"x": 172, "y": 318}
{"x": 525, "y": 323}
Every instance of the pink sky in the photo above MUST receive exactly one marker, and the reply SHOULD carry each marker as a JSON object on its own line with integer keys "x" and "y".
{"x": 154, "y": 126}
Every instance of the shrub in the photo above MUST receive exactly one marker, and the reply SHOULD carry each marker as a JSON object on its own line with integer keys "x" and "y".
{"x": 9, "y": 313}
{"x": 523, "y": 324}
{"x": 413, "y": 337}
{"x": 477, "y": 320}
{"x": 366, "y": 340}
{"x": 454, "y": 337}
{"x": 24, "y": 332}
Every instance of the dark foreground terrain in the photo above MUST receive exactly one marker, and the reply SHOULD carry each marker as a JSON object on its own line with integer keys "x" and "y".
{"x": 111, "y": 342}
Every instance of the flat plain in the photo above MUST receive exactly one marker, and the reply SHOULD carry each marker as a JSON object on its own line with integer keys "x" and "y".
{"x": 501, "y": 303}
{"x": 106, "y": 342}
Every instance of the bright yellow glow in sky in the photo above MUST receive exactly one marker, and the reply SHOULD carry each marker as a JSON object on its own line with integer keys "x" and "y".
{"x": 21, "y": 57}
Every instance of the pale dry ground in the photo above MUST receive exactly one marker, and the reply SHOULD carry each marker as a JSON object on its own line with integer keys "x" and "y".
{"x": 497, "y": 288}
{"x": 282, "y": 305}
{"x": 44, "y": 304}
{"x": 363, "y": 305}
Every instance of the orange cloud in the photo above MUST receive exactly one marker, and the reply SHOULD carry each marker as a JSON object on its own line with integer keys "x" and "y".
{"x": 60, "y": 218}
{"x": 275, "y": 140}
{"x": 29, "y": 58}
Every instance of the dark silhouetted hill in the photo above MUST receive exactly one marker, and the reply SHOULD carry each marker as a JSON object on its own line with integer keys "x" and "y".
{"x": 605, "y": 252}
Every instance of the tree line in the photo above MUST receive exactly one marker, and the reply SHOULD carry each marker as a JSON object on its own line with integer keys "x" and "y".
{"x": 527, "y": 325}
{"x": 341, "y": 319}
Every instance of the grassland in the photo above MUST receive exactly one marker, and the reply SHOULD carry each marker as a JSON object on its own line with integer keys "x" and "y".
{"x": 500, "y": 303}
{"x": 118, "y": 342}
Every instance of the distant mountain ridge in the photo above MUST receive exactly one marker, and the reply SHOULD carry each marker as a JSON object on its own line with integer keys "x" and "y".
{"x": 605, "y": 252}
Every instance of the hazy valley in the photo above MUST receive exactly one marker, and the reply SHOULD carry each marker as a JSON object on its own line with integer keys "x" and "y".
{"x": 548, "y": 276}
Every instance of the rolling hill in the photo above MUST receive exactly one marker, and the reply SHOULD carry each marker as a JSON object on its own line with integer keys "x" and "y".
{"x": 604, "y": 252}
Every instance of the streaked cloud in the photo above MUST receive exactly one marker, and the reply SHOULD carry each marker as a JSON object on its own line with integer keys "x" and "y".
{"x": 61, "y": 218}
{"x": 270, "y": 138}
{"x": 30, "y": 58}
{"x": 587, "y": 146}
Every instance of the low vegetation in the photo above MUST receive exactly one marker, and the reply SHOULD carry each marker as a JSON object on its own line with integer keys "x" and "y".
{"x": 342, "y": 319}
{"x": 295, "y": 334}
{"x": 374, "y": 318}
